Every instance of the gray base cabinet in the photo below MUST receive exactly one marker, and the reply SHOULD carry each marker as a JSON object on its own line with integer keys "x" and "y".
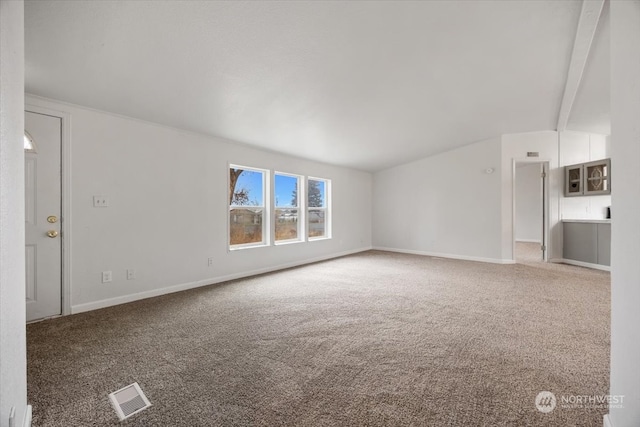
{"x": 587, "y": 242}
{"x": 604, "y": 244}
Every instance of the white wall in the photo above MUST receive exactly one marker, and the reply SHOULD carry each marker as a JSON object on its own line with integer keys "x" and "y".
{"x": 458, "y": 213}
{"x": 168, "y": 208}
{"x": 514, "y": 148}
{"x": 625, "y": 239}
{"x": 580, "y": 147}
{"x": 13, "y": 360}
{"x": 444, "y": 205}
{"x": 529, "y": 203}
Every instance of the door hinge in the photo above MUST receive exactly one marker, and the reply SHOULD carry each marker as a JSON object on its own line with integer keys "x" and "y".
{"x": 543, "y": 175}
{"x": 543, "y": 248}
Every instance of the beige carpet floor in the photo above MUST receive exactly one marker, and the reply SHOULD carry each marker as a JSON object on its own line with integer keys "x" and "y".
{"x": 373, "y": 339}
{"x": 528, "y": 253}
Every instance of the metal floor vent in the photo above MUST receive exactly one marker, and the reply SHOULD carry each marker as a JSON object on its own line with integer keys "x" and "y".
{"x": 129, "y": 401}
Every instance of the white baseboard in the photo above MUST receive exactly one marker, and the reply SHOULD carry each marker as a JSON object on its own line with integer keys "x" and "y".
{"x": 95, "y": 305}
{"x": 528, "y": 241}
{"x": 607, "y": 421}
{"x": 586, "y": 264}
{"x": 28, "y": 415}
{"x": 442, "y": 255}
{"x": 26, "y": 419}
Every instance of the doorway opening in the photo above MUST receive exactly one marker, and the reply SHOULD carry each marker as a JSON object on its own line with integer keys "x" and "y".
{"x": 530, "y": 212}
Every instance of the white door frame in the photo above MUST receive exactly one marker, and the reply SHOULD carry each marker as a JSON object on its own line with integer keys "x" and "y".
{"x": 546, "y": 199}
{"x": 65, "y": 192}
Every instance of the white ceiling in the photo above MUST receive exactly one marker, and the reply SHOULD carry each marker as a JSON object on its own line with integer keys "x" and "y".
{"x": 361, "y": 84}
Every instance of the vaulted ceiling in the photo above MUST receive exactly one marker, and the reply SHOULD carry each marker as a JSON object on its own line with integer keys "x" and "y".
{"x": 361, "y": 84}
{"x": 591, "y": 108}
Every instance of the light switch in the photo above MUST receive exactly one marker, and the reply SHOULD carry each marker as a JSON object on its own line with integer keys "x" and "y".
{"x": 100, "y": 201}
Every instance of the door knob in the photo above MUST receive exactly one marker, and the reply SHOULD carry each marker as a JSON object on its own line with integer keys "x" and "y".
{"x": 52, "y": 233}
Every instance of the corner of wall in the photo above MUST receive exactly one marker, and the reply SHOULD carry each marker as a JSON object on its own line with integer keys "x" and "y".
{"x": 13, "y": 360}
{"x": 625, "y": 231}
{"x": 606, "y": 421}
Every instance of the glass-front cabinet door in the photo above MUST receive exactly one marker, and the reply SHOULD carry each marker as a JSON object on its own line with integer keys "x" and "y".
{"x": 597, "y": 179}
{"x": 573, "y": 180}
{"x": 588, "y": 179}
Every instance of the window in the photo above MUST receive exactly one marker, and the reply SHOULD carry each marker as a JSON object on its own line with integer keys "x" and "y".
{"x": 287, "y": 207}
{"x": 247, "y": 219}
{"x": 29, "y": 144}
{"x": 282, "y": 208}
{"x": 318, "y": 208}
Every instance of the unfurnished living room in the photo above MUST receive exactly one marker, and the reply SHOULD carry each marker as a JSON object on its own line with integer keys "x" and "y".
{"x": 320, "y": 213}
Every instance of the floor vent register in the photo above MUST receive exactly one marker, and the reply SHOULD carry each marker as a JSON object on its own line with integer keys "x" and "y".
{"x": 128, "y": 401}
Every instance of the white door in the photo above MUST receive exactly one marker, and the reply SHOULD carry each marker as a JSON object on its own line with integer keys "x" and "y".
{"x": 42, "y": 171}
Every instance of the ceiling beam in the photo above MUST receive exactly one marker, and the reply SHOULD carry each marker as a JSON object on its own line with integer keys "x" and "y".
{"x": 589, "y": 17}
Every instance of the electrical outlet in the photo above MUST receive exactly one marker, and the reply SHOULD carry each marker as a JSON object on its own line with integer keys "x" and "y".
{"x": 210, "y": 262}
{"x": 106, "y": 276}
{"x": 100, "y": 201}
{"x": 131, "y": 274}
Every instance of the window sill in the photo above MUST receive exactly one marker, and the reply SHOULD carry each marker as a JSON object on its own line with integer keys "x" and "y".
{"x": 287, "y": 242}
{"x": 315, "y": 239}
{"x": 248, "y": 246}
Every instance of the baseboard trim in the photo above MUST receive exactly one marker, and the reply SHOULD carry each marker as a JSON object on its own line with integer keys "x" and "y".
{"x": 443, "y": 255}
{"x": 586, "y": 264}
{"x": 28, "y": 416}
{"x": 95, "y": 305}
{"x": 528, "y": 241}
{"x": 606, "y": 422}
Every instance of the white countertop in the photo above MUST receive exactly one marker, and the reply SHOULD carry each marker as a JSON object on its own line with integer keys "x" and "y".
{"x": 593, "y": 221}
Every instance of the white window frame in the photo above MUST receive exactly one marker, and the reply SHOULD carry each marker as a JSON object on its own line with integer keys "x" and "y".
{"x": 34, "y": 147}
{"x": 301, "y": 211}
{"x": 266, "y": 211}
{"x": 326, "y": 208}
